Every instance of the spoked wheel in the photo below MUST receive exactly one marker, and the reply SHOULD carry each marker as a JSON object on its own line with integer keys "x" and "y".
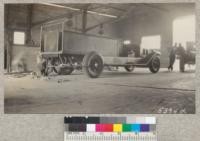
{"x": 55, "y": 65}
{"x": 129, "y": 68}
{"x": 154, "y": 64}
{"x": 63, "y": 70}
{"x": 48, "y": 69}
{"x": 93, "y": 64}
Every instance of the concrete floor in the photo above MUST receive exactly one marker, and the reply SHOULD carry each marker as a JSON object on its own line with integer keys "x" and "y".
{"x": 118, "y": 92}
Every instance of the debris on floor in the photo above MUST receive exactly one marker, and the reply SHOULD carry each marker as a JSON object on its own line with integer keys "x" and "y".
{"x": 119, "y": 92}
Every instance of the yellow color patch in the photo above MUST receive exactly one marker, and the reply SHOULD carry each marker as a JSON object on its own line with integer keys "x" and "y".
{"x": 117, "y": 127}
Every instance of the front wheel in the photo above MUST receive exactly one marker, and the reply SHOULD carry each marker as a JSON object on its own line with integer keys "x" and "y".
{"x": 154, "y": 64}
{"x": 93, "y": 64}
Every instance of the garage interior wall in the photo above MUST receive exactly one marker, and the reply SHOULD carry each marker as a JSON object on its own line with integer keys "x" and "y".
{"x": 18, "y": 18}
{"x": 149, "y": 22}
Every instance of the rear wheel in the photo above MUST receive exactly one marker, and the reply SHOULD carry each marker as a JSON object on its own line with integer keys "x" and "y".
{"x": 49, "y": 71}
{"x": 154, "y": 64}
{"x": 48, "y": 67}
{"x": 93, "y": 64}
{"x": 63, "y": 70}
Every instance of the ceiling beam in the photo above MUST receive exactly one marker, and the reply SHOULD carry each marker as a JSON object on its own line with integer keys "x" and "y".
{"x": 95, "y": 7}
{"x": 76, "y": 12}
{"x": 97, "y": 25}
{"x": 113, "y": 7}
{"x": 77, "y": 9}
{"x": 102, "y": 14}
{"x": 125, "y": 15}
{"x": 52, "y": 18}
{"x": 156, "y": 7}
{"x": 61, "y": 6}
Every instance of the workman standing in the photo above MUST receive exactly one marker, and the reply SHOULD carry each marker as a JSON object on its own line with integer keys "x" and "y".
{"x": 172, "y": 57}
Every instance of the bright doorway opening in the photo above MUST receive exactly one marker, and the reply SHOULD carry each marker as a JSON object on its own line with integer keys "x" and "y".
{"x": 183, "y": 33}
{"x": 184, "y": 30}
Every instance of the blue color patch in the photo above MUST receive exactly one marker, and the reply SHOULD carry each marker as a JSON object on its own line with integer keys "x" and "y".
{"x": 145, "y": 127}
{"x": 136, "y": 127}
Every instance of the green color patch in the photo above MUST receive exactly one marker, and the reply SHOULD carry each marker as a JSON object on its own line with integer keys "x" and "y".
{"x": 127, "y": 127}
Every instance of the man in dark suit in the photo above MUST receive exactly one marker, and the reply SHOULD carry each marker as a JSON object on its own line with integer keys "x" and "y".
{"x": 172, "y": 57}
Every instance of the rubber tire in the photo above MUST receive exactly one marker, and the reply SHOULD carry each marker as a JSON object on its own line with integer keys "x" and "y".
{"x": 182, "y": 64}
{"x": 87, "y": 60}
{"x": 62, "y": 70}
{"x": 151, "y": 67}
{"x": 129, "y": 68}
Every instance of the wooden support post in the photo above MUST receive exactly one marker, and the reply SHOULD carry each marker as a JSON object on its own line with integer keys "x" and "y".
{"x": 8, "y": 39}
{"x": 84, "y": 20}
{"x": 29, "y": 23}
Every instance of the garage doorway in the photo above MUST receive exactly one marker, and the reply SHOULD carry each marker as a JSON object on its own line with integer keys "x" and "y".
{"x": 184, "y": 30}
{"x": 183, "y": 33}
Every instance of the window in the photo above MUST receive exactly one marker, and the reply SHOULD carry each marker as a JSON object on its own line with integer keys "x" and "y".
{"x": 151, "y": 42}
{"x": 19, "y": 38}
{"x": 127, "y": 42}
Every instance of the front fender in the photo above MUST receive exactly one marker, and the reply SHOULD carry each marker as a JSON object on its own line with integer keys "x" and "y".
{"x": 147, "y": 59}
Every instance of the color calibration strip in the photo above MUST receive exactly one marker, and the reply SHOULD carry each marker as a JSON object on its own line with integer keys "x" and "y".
{"x": 75, "y": 127}
{"x": 110, "y": 128}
